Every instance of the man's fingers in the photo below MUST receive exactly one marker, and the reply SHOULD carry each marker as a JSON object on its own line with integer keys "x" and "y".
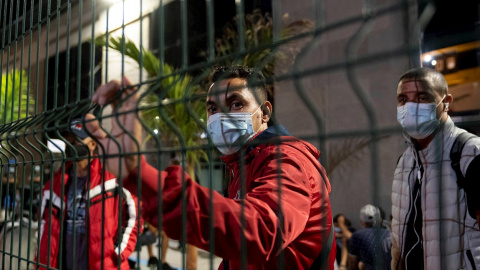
{"x": 132, "y": 100}
{"x": 106, "y": 92}
{"x": 126, "y": 82}
{"x": 94, "y": 127}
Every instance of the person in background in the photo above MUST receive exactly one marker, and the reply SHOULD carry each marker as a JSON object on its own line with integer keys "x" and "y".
{"x": 370, "y": 247}
{"x": 343, "y": 233}
{"x": 436, "y": 212}
{"x": 87, "y": 214}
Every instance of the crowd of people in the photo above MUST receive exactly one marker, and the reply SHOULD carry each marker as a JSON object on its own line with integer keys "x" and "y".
{"x": 369, "y": 247}
{"x": 276, "y": 211}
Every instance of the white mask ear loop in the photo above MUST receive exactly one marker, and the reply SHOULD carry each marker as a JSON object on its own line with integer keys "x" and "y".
{"x": 441, "y": 100}
{"x": 257, "y": 110}
{"x": 446, "y": 104}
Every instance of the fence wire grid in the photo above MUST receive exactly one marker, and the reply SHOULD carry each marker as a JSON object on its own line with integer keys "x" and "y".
{"x": 331, "y": 71}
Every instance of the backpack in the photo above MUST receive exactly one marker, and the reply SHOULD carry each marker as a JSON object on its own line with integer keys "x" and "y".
{"x": 463, "y": 181}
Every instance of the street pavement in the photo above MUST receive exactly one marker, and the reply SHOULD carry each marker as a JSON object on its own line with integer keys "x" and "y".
{"x": 174, "y": 258}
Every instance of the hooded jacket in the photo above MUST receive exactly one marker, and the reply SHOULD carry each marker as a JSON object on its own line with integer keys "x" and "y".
{"x": 277, "y": 209}
{"x": 451, "y": 239}
{"x": 113, "y": 245}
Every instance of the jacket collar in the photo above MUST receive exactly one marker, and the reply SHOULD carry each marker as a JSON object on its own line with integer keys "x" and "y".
{"x": 434, "y": 151}
{"x": 95, "y": 166}
{"x": 271, "y": 132}
{"x": 260, "y": 138}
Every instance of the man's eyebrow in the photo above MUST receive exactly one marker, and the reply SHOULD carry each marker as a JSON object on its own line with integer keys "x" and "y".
{"x": 210, "y": 102}
{"x": 234, "y": 96}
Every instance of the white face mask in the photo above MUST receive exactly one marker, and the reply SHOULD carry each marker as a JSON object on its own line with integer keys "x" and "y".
{"x": 228, "y": 131}
{"x": 419, "y": 120}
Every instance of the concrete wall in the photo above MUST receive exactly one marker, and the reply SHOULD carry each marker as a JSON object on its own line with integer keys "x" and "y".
{"x": 335, "y": 96}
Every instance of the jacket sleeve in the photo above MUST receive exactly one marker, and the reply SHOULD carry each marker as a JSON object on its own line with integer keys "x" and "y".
{"x": 261, "y": 227}
{"x": 130, "y": 225}
{"x": 149, "y": 178}
{"x": 50, "y": 196}
{"x": 396, "y": 261}
{"x": 258, "y": 221}
{"x": 50, "y": 200}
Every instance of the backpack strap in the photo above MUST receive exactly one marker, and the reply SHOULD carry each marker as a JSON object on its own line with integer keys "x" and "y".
{"x": 456, "y": 154}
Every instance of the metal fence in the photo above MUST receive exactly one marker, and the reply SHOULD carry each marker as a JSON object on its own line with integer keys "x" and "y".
{"x": 331, "y": 68}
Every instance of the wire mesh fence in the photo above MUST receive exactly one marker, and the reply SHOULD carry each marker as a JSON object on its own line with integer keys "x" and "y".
{"x": 116, "y": 132}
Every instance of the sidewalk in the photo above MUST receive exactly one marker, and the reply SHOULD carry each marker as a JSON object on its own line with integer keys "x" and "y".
{"x": 174, "y": 258}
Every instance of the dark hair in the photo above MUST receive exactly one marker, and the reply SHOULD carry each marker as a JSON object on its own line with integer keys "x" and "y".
{"x": 253, "y": 77}
{"x": 347, "y": 221}
{"x": 428, "y": 78}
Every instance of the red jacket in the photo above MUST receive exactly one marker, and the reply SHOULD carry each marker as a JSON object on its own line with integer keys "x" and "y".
{"x": 304, "y": 200}
{"x": 52, "y": 198}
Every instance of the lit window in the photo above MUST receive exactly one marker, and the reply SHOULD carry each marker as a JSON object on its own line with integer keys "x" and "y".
{"x": 440, "y": 65}
{"x": 451, "y": 63}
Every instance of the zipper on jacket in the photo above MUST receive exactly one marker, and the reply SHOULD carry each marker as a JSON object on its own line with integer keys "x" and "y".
{"x": 232, "y": 172}
{"x": 419, "y": 175}
{"x": 470, "y": 259}
{"x": 232, "y": 176}
{"x": 226, "y": 263}
{"x": 410, "y": 207}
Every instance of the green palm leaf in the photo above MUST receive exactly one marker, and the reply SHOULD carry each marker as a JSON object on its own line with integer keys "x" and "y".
{"x": 15, "y": 101}
{"x": 173, "y": 92}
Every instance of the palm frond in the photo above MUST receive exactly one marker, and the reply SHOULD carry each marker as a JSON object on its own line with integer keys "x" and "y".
{"x": 258, "y": 34}
{"x": 170, "y": 94}
{"x": 15, "y": 101}
{"x": 347, "y": 153}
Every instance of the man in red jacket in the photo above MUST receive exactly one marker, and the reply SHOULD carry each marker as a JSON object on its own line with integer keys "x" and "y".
{"x": 276, "y": 213}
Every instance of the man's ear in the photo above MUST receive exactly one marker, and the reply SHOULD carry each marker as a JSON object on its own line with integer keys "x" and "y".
{"x": 266, "y": 111}
{"x": 448, "y": 102}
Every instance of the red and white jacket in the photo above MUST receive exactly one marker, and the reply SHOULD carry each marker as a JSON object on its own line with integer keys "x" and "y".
{"x": 95, "y": 225}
